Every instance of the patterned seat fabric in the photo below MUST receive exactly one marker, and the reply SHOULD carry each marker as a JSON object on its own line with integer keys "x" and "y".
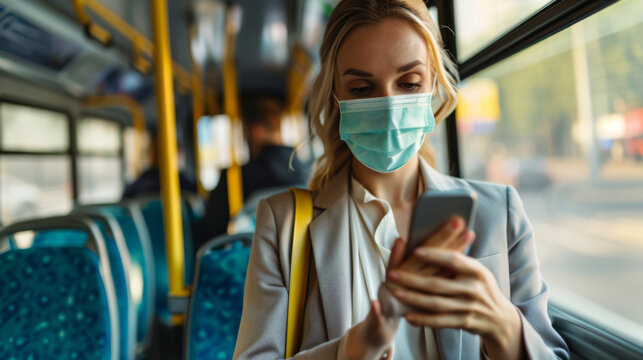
{"x": 53, "y": 305}
{"x": 64, "y": 237}
{"x": 217, "y": 303}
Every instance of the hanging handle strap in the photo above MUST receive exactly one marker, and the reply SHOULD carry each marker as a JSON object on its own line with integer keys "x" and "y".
{"x": 299, "y": 261}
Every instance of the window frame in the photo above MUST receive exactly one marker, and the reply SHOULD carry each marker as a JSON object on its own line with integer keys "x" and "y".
{"x": 71, "y": 147}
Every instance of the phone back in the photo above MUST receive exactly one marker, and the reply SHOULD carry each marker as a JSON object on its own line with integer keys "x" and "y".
{"x": 433, "y": 208}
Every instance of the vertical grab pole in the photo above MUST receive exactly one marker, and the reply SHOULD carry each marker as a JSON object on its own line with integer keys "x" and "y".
{"x": 231, "y": 107}
{"x": 168, "y": 160}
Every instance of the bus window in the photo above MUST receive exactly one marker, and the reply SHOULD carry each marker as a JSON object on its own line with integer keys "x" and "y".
{"x": 30, "y": 129}
{"x": 99, "y": 163}
{"x": 562, "y": 122}
{"x": 480, "y": 22}
{"x": 35, "y": 167}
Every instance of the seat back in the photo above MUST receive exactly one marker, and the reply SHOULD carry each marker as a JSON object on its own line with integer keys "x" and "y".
{"x": 245, "y": 221}
{"x": 56, "y": 301}
{"x": 120, "y": 264}
{"x": 152, "y": 210}
{"x": 216, "y": 304}
{"x": 141, "y": 275}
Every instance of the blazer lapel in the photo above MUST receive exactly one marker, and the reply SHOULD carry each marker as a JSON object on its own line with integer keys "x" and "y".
{"x": 329, "y": 234}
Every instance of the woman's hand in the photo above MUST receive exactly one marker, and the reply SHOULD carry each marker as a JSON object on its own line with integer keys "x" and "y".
{"x": 452, "y": 235}
{"x": 469, "y": 299}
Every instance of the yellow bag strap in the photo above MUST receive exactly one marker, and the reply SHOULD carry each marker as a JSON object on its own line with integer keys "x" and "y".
{"x": 299, "y": 262}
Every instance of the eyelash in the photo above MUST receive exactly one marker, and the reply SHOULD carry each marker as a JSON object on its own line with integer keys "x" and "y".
{"x": 363, "y": 90}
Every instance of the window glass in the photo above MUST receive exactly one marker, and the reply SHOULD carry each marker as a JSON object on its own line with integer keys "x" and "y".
{"x": 33, "y": 186}
{"x": 214, "y": 140}
{"x": 562, "y": 121}
{"x": 101, "y": 179}
{"x": 98, "y": 135}
{"x": 25, "y": 128}
{"x": 479, "y": 22}
{"x": 137, "y": 153}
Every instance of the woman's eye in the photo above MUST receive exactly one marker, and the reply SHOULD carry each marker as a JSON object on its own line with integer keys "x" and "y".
{"x": 411, "y": 86}
{"x": 364, "y": 90}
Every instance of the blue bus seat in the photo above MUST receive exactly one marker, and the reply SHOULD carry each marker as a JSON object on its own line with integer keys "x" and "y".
{"x": 130, "y": 219}
{"x": 216, "y": 304}
{"x": 141, "y": 275}
{"x": 56, "y": 301}
{"x": 120, "y": 264}
{"x": 153, "y": 214}
{"x": 245, "y": 220}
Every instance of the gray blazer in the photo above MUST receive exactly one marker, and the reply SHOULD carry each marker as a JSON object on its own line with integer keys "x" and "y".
{"x": 504, "y": 243}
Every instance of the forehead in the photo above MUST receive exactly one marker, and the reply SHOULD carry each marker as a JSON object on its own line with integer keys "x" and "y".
{"x": 382, "y": 47}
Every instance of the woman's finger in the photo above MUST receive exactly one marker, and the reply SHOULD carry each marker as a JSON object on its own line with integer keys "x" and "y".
{"x": 451, "y": 260}
{"x": 447, "y": 233}
{"x": 434, "y": 303}
{"x": 465, "y": 239}
{"x": 397, "y": 253}
{"x": 464, "y": 321}
{"x": 432, "y": 284}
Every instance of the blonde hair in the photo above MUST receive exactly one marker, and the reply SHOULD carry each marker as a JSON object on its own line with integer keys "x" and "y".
{"x": 323, "y": 111}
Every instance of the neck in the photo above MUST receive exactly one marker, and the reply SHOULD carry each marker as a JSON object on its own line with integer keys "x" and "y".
{"x": 396, "y": 187}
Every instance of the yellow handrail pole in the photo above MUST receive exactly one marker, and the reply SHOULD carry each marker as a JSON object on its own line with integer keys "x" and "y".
{"x": 170, "y": 191}
{"x": 138, "y": 119}
{"x": 198, "y": 111}
{"x": 231, "y": 107}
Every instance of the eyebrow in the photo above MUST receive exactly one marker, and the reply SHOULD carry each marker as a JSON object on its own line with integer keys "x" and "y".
{"x": 409, "y": 66}
{"x": 402, "y": 68}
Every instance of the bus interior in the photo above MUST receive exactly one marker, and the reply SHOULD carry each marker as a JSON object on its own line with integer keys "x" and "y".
{"x": 94, "y": 93}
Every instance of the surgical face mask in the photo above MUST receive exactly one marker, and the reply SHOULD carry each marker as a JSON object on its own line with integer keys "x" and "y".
{"x": 384, "y": 133}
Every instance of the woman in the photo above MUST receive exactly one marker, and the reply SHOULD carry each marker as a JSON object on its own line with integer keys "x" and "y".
{"x": 467, "y": 299}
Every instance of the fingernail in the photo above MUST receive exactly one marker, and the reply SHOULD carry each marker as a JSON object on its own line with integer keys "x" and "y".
{"x": 455, "y": 223}
{"x": 400, "y": 293}
{"x": 394, "y": 275}
{"x": 421, "y": 251}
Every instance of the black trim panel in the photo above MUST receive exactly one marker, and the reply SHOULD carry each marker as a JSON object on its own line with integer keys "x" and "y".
{"x": 447, "y": 28}
{"x": 548, "y": 21}
{"x": 588, "y": 341}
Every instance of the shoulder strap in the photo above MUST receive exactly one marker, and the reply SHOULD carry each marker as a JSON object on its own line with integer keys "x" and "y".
{"x": 299, "y": 262}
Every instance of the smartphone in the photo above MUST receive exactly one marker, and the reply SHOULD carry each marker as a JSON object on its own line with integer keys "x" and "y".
{"x": 434, "y": 208}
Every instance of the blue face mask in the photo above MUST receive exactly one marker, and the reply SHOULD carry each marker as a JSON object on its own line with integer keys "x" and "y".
{"x": 384, "y": 133}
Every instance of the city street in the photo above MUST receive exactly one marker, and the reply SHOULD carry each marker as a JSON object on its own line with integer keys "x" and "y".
{"x": 590, "y": 242}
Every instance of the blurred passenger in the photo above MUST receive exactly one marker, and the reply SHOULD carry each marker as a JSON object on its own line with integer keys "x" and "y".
{"x": 269, "y": 165}
{"x": 149, "y": 182}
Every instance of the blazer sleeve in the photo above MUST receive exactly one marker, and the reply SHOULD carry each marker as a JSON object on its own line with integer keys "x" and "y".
{"x": 262, "y": 333}
{"x": 529, "y": 293}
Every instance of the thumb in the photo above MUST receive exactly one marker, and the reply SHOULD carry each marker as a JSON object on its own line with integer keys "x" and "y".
{"x": 397, "y": 253}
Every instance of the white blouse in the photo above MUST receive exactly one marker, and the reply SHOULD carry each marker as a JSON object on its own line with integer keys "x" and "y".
{"x": 373, "y": 232}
